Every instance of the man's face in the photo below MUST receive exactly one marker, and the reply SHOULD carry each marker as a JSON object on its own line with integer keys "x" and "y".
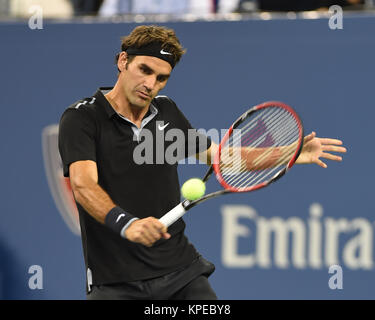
{"x": 143, "y": 78}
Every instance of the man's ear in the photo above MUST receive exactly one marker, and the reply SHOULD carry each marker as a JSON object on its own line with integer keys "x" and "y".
{"x": 122, "y": 60}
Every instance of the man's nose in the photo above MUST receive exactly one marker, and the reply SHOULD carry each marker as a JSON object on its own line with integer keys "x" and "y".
{"x": 150, "y": 82}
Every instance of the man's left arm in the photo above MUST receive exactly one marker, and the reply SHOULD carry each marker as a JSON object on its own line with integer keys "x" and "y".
{"x": 208, "y": 156}
{"x": 313, "y": 149}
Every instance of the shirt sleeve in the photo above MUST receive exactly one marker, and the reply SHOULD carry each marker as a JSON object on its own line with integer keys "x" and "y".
{"x": 77, "y": 131}
{"x": 195, "y": 142}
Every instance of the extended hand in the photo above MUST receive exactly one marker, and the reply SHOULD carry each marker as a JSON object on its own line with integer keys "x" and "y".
{"x": 146, "y": 231}
{"x": 315, "y": 148}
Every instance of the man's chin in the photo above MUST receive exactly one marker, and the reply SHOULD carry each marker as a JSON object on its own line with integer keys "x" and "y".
{"x": 141, "y": 104}
{"x": 140, "y": 101}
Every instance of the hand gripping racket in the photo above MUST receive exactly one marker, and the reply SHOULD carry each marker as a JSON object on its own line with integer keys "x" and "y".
{"x": 258, "y": 149}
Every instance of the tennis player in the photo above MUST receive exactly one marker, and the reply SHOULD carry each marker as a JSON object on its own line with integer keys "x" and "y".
{"x": 128, "y": 253}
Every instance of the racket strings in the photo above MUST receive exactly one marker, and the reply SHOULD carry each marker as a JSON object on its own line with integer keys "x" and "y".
{"x": 233, "y": 144}
{"x": 258, "y": 162}
{"x": 248, "y": 177}
{"x": 239, "y": 138}
{"x": 261, "y": 147}
{"x": 257, "y": 176}
{"x": 268, "y": 151}
{"x": 284, "y": 140}
{"x": 240, "y": 162}
{"x": 272, "y": 125}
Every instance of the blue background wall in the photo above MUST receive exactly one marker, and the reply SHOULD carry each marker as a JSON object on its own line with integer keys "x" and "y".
{"x": 229, "y": 66}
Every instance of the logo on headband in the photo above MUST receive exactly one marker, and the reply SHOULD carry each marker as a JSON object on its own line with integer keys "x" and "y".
{"x": 164, "y": 52}
{"x": 154, "y": 49}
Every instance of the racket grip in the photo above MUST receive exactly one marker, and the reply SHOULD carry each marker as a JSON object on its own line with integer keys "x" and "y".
{"x": 173, "y": 215}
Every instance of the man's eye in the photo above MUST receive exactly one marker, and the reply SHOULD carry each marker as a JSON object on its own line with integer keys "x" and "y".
{"x": 162, "y": 79}
{"x": 145, "y": 70}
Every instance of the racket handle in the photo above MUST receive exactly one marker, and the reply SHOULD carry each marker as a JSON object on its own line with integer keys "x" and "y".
{"x": 173, "y": 215}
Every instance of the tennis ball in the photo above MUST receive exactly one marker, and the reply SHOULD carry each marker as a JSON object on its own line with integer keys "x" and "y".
{"x": 193, "y": 189}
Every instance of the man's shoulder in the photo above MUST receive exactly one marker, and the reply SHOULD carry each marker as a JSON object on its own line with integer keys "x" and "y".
{"x": 87, "y": 107}
{"x": 96, "y": 105}
{"x": 86, "y": 104}
{"x": 165, "y": 104}
{"x": 84, "y": 110}
{"x": 163, "y": 101}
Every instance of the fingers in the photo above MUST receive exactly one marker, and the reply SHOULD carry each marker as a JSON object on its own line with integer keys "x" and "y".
{"x": 330, "y": 141}
{"x": 334, "y": 148}
{"x": 309, "y": 137}
{"x": 147, "y": 231}
{"x": 331, "y": 156}
{"x": 166, "y": 235}
{"x": 321, "y": 148}
{"x": 321, "y": 163}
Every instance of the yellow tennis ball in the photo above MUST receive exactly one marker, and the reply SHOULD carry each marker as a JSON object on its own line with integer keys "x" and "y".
{"x": 193, "y": 189}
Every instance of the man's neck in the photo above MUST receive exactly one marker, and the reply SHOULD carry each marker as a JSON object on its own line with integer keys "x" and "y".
{"x": 122, "y": 106}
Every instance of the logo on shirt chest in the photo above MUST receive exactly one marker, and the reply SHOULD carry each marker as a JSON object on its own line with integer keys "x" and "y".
{"x": 162, "y": 127}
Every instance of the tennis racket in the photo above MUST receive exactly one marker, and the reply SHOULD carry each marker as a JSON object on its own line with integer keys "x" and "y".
{"x": 258, "y": 149}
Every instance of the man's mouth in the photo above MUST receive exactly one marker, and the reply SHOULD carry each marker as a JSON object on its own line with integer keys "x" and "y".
{"x": 143, "y": 95}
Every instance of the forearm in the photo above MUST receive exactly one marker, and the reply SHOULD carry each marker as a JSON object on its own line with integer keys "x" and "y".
{"x": 208, "y": 155}
{"x": 98, "y": 204}
{"x": 94, "y": 200}
{"x": 249, "y": 158}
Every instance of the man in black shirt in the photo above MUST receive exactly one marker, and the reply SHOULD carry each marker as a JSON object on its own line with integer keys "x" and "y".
{"x": 121, "y": 193}
{"x": 98, "y": 139}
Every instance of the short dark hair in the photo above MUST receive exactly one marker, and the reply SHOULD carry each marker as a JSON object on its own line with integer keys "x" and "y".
{"x": 144, "y": 35}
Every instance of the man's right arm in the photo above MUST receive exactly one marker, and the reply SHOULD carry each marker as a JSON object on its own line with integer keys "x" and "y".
{"x": 87, "y": 192}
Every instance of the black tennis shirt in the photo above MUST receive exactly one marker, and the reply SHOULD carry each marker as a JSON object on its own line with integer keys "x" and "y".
{"x": 91, "y": 129}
